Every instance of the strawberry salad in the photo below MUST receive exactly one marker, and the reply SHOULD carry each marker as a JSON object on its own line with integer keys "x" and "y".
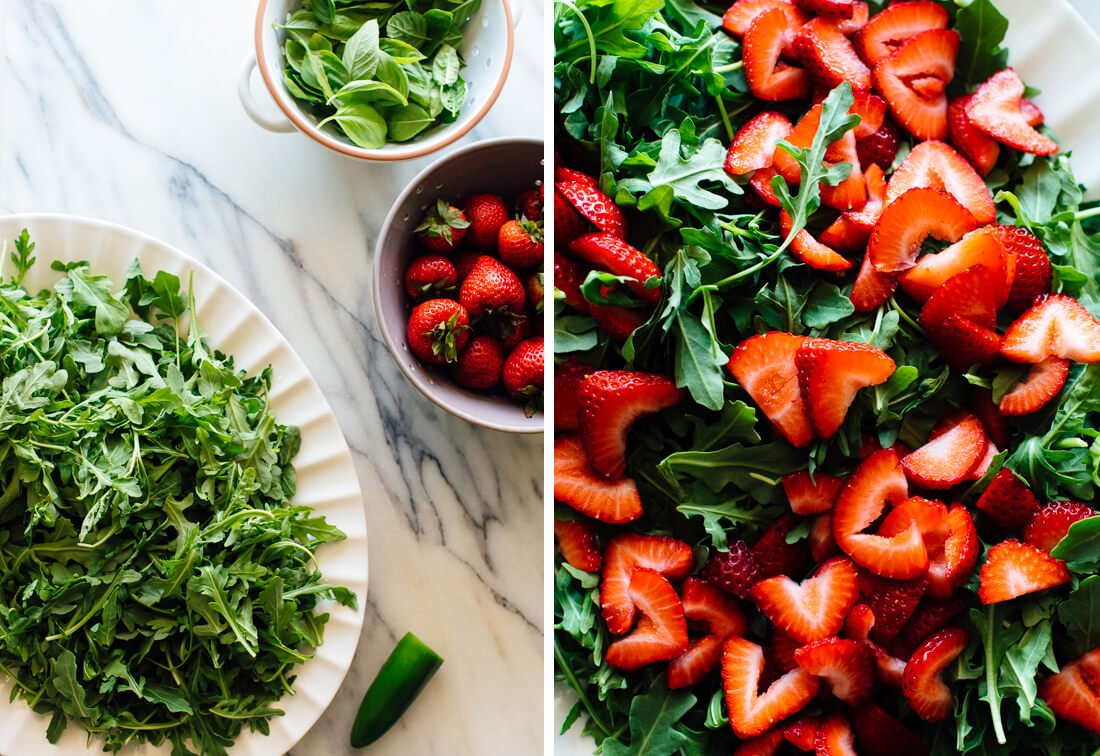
{"x": 826, "y": 385}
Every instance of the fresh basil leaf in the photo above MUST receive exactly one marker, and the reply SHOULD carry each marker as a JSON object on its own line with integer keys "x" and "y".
{"x": 361, "y": 52}
{"x": 408, "y": 121}
{"x": 445, "y": 66}
{"x": 368, "y": 92}
{"x": 362, "y": 124}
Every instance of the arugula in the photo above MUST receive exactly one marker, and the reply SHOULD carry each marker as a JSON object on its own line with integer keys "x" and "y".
{"x": 156, "y": 584}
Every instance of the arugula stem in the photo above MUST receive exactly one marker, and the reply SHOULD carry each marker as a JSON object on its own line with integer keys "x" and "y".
{"x": 570, "y": 678}
{"x": 725, "y": 117}
{"x": 991, "y": 675}
{"x": 729, "y": 67}
{"x": 905, "y": 316}
{"x": 591, "y": 40}
{"x": 1092, "y": 212}
{"x": 741, "y": 274}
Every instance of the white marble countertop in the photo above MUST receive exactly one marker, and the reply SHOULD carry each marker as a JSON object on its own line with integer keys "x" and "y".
{"x": 127, "y": 111}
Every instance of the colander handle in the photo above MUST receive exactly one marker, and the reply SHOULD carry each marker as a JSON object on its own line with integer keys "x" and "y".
{"x": 244, "y": 92}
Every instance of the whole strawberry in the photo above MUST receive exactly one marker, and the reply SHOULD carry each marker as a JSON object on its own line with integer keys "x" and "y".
{"x": 464, "y": 263}
{"x": 438, "y": 329}
{"x": 519, "y": 243}
{"x": 492, "y": 289}
{"x": 529, "y": 204}
{"x": 430, "y": 275}
{"x": 513, "y": 332}
{"x": 486, "y": 213}
{"x": 523, "y": 374}
{"x": 443, "y": 228}
{"x": 479, "y": 364}
{"x": 535, "y": 284}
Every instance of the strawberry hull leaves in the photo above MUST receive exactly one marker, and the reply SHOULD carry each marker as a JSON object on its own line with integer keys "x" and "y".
{"x": 152, "y": 570}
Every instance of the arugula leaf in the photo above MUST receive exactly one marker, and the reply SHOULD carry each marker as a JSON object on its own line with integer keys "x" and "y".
{"x": 981, "y": 29}
{"x": 653, "y": 717}
{"x": 686, "y": 176}
{"x": 1080, "y": 613}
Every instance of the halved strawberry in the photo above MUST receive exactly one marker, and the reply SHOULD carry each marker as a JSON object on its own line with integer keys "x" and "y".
{"x": 809, "y": 250}
{"x": 1030, "y": 264}
{"x": 872, "y": 287}
{"x": 885, "y": 32}
{"x": 762, "y": 745}
{"x": 936, "y": 165}
{"x": 995, "y": 109}
{"x": 1043, "y": 382}
{"x": 578, "y": 544}
{"x": 568, "y": 277}
{"x": 720, "y": 616}
{"x": 981, "y": 402}
{"x": 861, "y": 14}
{"x": 775, "y": 555}
{"x": 923, "y": 686}
{"x": 614, "y": 255}
{"x": 1050, "y": 523}
{"x": 829, "y": 56}
{"x": 739, "y": 17}
{"x": 1055, "y": 326}
{"x": 879, "y": 148}
{"x": 568, "y": 223}
{"x": 831, "y": 373}
{"x": 781, "y": 649}
{"x": 929, "y": 617}
{"x": 1032, "y": 114}
{"x": 627, "y": 553}
{"x": 834, "y": 737}
{"x": 768, "y": 76}
{"x": 810, "y": 495}
{"x": 954, "y": 556}
{"x": 751, "y": 712}
{"x": 1014, "y": 569}
{"x": 754, "y": 145}
{"x": 800, "y": 732}
{"x": 660, "y": 633}
{"x": 892, "y": 603}
{"x": 1074, "y": 693}
{"x": 960, "y": 316}
{"x": 858, "y": 626}
{"x": 980, "y": 247}
{"x": 910, "y": 219}
{"x": 991, "y": 452}
{"x": 764, "y": 365}
{"x": 831, "y": 8}
{"x": 585, "y": 490}
{"x": 871, "y": 110}
{"x": 975, "y": 145}
{"x": 849, "y": 193}
{"x": 844, "y": 665}
{"x": 594, "y": 205}
{"x": 929, "y": 55}
{"x": 609, "y": 402}
{"x": 618, "y": 322}
{"x": 947, "y": 459}
{"x": 879, "y": 734}
{"x": 761, "y": 182}
{"x": 822, "y": 543}
{"x": 851, "y": 230}
{"x": 814, "y": 608}
{"x": 735, "y": 570}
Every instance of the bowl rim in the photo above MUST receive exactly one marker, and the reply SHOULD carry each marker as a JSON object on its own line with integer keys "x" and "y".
{"x": 394, "y": 344}
{"x": 414, "y": 149}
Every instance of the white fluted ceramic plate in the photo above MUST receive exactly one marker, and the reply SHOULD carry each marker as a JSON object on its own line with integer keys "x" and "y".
{"x": 1052, "y": 48}
{"x": 326, "y": 474}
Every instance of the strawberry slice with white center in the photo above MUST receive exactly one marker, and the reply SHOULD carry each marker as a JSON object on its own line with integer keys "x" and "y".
{"x": 764, "y": 365}
{"x": 851, "y": 230}
{"x": 1055, "y": 326}
{"x": 844, "y": 665}
{"x": 829, "y": 56}
{"x": 739, "y": 16}
{"x": 822, "y": 543}
{"x": 910, "y": 219}
{"x": 872, "y": 287}
{"x": 1041, "y": 384}
{"x": 588, "y": 492}
{"x": 816, "y": 607}
{"x": 1074, "y": 693}
{"x": 594, "y": 205}
{"x": 831, "y": 373}
{"x": 1030, "y": 265}
{"x": 578, "y": 544}
{"x": 720, "y": 615}
{"x": 885, "y": 32}
{"x": 834, "y": 737}
{"x": 754, "y": 145}
{"x": 752, "y": 712}
{"x": 912, "y": 79}
{"x": 609, "y": 252}
{"x": 974, "y": 144}
{"x": 950, "y": 538}
{"x": 995, "y": 108}
{"x": 1007, "y": 501}
{"x": 1014, "y": 569}
{"x": 932, "y": 271}
{"x": 923, "y": 685}
{"x": 849, "y": 193}
{"x": 661, "y": 631}
{"x": 809, "y": 250}
{"x": 871, "y": 110}
{"x": 961, "y": 316}
{"x": 768, "y": 76}
{"x": 631, "y": 551}
{"x": 947, "y": 459}
{"x": 1050, "y": 523}
{"x": 861, "y": 14}
{"x": 1032, "y": 114}
{"x": 936, "y": 165}
{"x": 810, "y": 495}
{"x": 609, "y": 402}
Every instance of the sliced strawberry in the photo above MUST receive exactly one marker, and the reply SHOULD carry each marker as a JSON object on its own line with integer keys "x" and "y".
{"x": 618, "y": 322}
{"x": 777, "y": 557}
{"x": 872, "y": 288}
{"x": 975, "y": 145}
{"x": 871, "y": 110}
{"x": 814, "y": 608}
{"x": 829, "y": 56}
{"x": 961, "y": 316}
{"x": 995, "y": 109}
{"x": 991, "y": 452}
{"x": 769, "y": 77}
{"x": 801, "y": 731}
{"x": 980, "y": 247}
{"x": 947, "y": 459}
{"x": 809, "y": 250}
{"x": 851, "y": 230}
{"x": 844, "y": 665}
{"x": 754, "y": 145}
{"x": 1055, "y": 326}
{"x": 1030, "y": 264}
{"x": 735, "y": 570}
{"x": 1050, "y": 523}
{"x": 1014, "y": 569}
{"x": 762, "y": 745}
{"x": 810, "y": 495}
{"x": 582, "y": 488}
{"x": 849, "y": 193}
{"x": 568, "y": 223}
{"x": 885, "y": 32}
{"x": 661, "y": 631}
{"x": 751, "y": 712}
{"x": 822, "y": 543}
{"x": 739, "y": 17}
{"x": 614, "y": 255}
{"x": 892, "y": 603}
{"x": 936, "y": 165}
{"x": 981, "y": 402}
{"x": 831, "y": 373}
{"x": 953, "y": 547}
{"x": 910, "y": 219}
{"x": 929, "y": 55}
{"x": 879, "y": 148}
{"x": 1074, "y": 693}
{"x": 781, "y": 650}
{"x": 930, "y": 616}
{"x": 719, "y": 614}
{"x": 922, "y": 685}
{"x": 567, "y": 379}
{"x": 562, "y": 173}
{"x": 594, "y": 205}
{"x": 761, "y": 182}
{"x": 880, "y": 734}
{"x": 834, "y": 737}
{"x": 1043, "y": 382}
{"x": 861, "y": 14}
{"x": 966, "y": 343}
{"x": 609, "y": 402}
{"x": 764, "y": 365}
{"x": 578, "y": 544}
{"x": 627, "y": 553}
{"x": 831, "y": 8}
